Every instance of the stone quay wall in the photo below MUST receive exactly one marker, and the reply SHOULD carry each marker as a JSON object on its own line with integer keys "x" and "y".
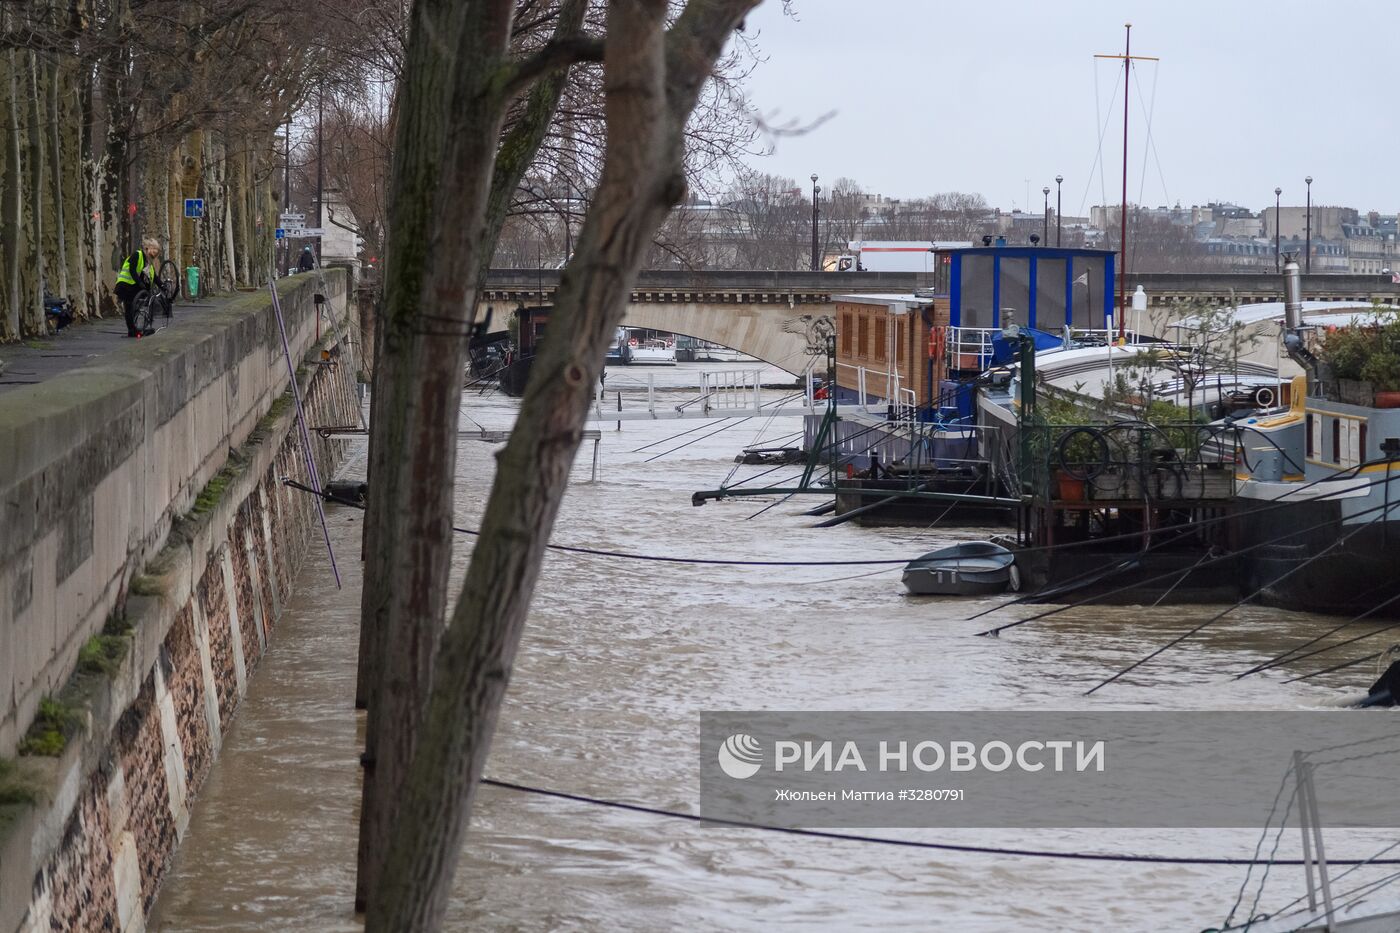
{"x": 96, "y": 463}
{"x": 190, "y": 599}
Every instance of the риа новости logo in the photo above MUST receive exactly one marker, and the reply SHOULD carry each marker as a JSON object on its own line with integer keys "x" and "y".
{"x": 740, "y": 756}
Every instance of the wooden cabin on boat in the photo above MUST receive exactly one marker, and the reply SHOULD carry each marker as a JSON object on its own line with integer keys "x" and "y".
{"x": 902, "y": 349}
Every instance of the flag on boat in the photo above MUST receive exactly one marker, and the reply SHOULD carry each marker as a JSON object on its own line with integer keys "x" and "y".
{"x": 1084, "y": 279}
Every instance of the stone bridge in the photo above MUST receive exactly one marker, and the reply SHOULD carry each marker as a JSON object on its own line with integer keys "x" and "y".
{"x": 747, "y": 310}
{"x": 743, "y": 310}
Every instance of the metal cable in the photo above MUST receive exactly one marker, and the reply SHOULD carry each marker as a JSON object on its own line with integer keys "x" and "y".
{"x": 917, "y": 844}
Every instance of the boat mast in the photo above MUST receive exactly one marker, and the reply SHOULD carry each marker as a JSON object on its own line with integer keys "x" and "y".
{"x": 1123, "y": 208}
{"x": 1128, "y": 60}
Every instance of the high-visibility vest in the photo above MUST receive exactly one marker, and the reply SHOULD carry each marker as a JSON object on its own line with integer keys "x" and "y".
{"x": 125, "y": 277}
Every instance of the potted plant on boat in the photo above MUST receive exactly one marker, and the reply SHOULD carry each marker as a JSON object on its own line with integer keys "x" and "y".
{"x": 1361, "y": 362}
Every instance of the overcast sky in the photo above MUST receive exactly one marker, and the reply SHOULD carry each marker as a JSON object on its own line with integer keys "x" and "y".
{"x": 992, "y": 96}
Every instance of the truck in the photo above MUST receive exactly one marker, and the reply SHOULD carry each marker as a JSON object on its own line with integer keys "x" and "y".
{"x": 893, "y": 255}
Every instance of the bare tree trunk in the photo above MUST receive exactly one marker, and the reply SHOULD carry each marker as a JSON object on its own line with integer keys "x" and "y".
{"x": 110, "y": 177}
{"x": 33, "y": 271}
{"x": 156, "y": 198}
{"x": 652, "y": 79}
{"x": 417, "y": 387}
{"x": 394, "y": 671}
{"x": 13, "y": 225}
{"x": 514, "y": 157}
{"x": 59, "y": 283}
{"x": 76, "y": 203}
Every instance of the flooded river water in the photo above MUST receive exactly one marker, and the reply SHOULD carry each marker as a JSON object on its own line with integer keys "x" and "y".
{"x": 619, "y": 659}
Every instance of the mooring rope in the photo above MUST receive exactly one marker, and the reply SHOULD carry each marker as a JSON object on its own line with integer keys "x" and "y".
{"x": 993, "y": 632}
{"x": 914, "y": 843}
{"x": 628, "y": 555}
{"x": 1223, "y": 613}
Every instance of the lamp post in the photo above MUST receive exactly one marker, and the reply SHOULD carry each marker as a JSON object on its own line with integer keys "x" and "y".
{"x": 1277, "y": 193}
{"x": 1058, "y": 180}
{"x": 1045, "y": 237}
{"x": 816, "y": 259}
{"x": 1307, "y": 248}
{"x": 320, "y": 165}
{"x": 568, "y": 227}
{"x": 286, "y": 192}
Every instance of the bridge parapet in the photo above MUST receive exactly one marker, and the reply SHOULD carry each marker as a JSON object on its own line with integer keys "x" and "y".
{"x": 733, "y": 287}
{"x": 714, "y": 287}
{"x": 1169, "y": 288}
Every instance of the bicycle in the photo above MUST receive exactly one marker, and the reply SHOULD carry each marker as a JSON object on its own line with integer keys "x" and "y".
{"x": 148, "y": 301}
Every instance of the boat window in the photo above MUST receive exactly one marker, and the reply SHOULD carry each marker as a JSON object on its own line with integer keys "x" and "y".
{"x": 1311, "y": 436}
{"x": 881, "y": 339}
{"x": 846, "y": 335}
{"x": 1015, "y": 297}
{"x": 1050, "y": 295}
{"x": 1336, "y": 440}
{"x": 1361, "y": 445}
{"x": 1088, "y": 290}
{"x": 862, "y": 336}
{"x": 901, "y": 341}
{"x": 975, "y": 303}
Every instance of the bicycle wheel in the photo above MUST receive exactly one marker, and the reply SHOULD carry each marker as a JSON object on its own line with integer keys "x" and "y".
{"x": 144, "y": 317}
{"x": 170, "y": 282}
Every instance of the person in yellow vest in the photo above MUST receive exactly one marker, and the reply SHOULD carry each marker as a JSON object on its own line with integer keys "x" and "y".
{"x": 139, "y": 273}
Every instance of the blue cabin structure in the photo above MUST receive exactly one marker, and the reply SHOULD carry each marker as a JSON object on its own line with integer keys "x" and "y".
{"x": 1049, "y": 288}
{"x": 915, "y": 350}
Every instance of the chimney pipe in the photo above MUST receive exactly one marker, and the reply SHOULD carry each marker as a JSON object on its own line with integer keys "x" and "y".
{"x": 1293, "y": 316}
{"x": 1292, "y": 293}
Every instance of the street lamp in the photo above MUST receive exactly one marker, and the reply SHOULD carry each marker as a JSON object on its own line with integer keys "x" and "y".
{"x": 1277, "y": 193}
{"x": 568, "y": 226}
{"x": 1045, "y": 238}
{"x": 816, "y": 259}
{"x": 1307, "y": 248}
{"x": 1058, "y": 179}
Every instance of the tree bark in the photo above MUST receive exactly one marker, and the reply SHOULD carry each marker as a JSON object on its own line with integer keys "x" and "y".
{"x": 59, "y": 282}
{"x": 445, "y": 106}
{"x": 32, "y": 272}
{"x": 514, "y": 157}
{"x": 651, "y": 79}
{"x": 13, "y": 225}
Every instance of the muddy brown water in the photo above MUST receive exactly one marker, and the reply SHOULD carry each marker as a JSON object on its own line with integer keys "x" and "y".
{"x": 619, "y": 659}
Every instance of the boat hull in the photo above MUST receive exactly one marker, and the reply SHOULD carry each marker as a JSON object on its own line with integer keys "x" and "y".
{"x": 975, "y": 568}
{"x": 952, "y": 582}
{"x": 1308, "y": 557}
{"x": 652, "y": 356}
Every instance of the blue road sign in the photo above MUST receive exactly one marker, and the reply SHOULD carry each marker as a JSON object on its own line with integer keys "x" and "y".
{"x": 194, "y": 207}
{"x": 281, "y": 234}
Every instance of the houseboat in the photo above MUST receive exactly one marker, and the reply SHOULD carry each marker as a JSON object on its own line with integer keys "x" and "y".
{"x": 1319, "y": 484}
{"x": 935, "y": 375}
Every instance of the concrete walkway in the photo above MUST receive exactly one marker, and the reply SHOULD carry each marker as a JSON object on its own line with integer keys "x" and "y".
{"x": 78, "y": 344}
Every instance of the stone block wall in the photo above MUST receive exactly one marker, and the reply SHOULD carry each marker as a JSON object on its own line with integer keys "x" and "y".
{"x": 202, "y": 611}
{"x": 95, "y": 464}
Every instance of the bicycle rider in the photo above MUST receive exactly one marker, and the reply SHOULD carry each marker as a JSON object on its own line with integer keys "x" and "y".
{"x": 139, "y": 273}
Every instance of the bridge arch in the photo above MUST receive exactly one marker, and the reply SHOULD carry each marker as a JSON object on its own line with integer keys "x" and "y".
{"x": 772, "y": 333}
{"x": 764, "y": 314}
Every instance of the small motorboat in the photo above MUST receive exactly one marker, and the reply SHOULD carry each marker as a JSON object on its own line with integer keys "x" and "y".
{"x": 973, "y": 568}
